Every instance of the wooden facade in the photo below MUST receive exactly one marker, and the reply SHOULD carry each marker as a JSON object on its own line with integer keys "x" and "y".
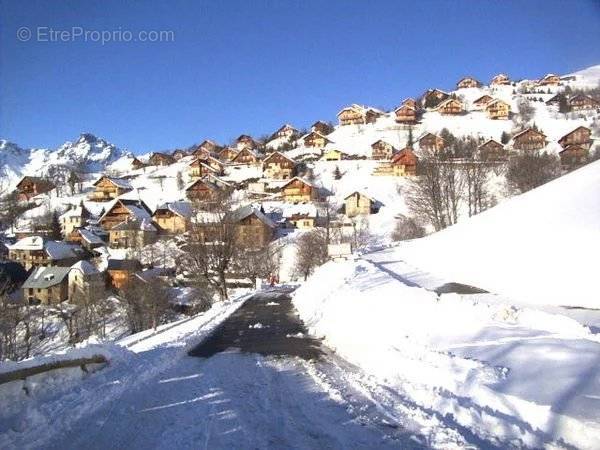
{"x": 245, "y": 141}
{"x": 227, "y": 154}
{"x": 160, "y": 159}
{"x": 582, "y": 102}
{"x": 170, "y": 220}
{"x": 120, "y": 272}
{"x": 123, "y": 210}
{"x": 529, "y": 139}
{"x": 492, "y": 150}
{"x": 134, "y": 233}
{"x": 208, "y": 146}
{"x": 497, "y": 109}
{"x": 314, "y": 139}
{"x": 299, "y": 190}
{"x": 580, "y": 136}
{"x": 199, "y": 168}
{"x": 431, "y": 142}
{"x": 404, "y": 163}
{"x": 277, "y": 166}
{"x": 468, "y": 82}
{"x": 500, "y": 80}
{"x": 106, "y": 188}
{"x": 358, "y": 204}
{"x": 549, "y": 80}
{"x": 29, "y": 187}
{"x": 433, "y": 97}
{"x": 573, "y": 156}
{"x": 178, "y": 154}
{"x": 356, "y": 115}
{"x": 482, "y": 101}
{"x": 245, "y": 156}
{"x": 253, "y": 232}
{"x": 381, "y": 150}
{"x": 202, "y": 190}
{"x": 410, "y": 102}
{"x": 450, "y": 107}
{"x": 321, "y": 127}
{"x": 406, "y": 114}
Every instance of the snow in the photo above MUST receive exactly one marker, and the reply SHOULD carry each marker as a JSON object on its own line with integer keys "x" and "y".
{"x": 538, "y": 247}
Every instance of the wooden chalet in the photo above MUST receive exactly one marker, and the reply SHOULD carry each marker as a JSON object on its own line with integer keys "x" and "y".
{"x": 580, "y": 136}
{"x": 404, "y": 163}
{"x": 109, "y": 188}
{"x": 122, "y": 210}
{"x": 492, "y": 150}
{"x": 468, "y": 82}
{"x": 410, "y": 102}
{"x": 137, "y": 164}
{"x": 286, "y": 132}
{"x": 299, "y": 190}
{"x": 245, "y": 156}
{"x": 253, "y": 229}
{"x": 199, "y": 168}
{"x": 173, "y": 217}
{"x": 204, "y": 190}
{"x": 132, "y": 233}
{"x": 208, "y": 146}
{"x": 359, "y": 204}
{"x": 321, "y": 127}
{"x": 178, "y": 154}
{"x": 334, "y": 155}
{"x": 277, "y": 166}
{"x": 482, "y": 101}
{"x": 433, "y": 97}
{"x": 549, "y": 80}
{"x": 500, "y": 80}
{"x": 121, "y": 271}
{"x": 529, "y": 139}
{"x": 431, "y": 142}
{"x": 554, "y": 100}
{"x": 160, "y": 159}
{"x": 582, "y": 102}
{"x": 573, "y": 156}
{"x": 29, "y": 187}
{"x": 450, "y": 107}
{"x": 381, "y": 150}
{"x": 246, "y": 142}
{"x": 215, "y": 164}
{"x": 357, "y": 114}
{"x": 314, "y": 139}
{"x": 497, "y": 109}
{"x": 227, "y": 154}
{"x": 406, "y": 114}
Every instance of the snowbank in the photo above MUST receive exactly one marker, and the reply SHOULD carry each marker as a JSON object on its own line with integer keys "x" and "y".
{"x": 539, "y": 247}
{"x": 483, "y": 365}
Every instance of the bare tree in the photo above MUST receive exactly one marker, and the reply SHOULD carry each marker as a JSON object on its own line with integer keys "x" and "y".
{"x": 531, "y": 169}
{"x": 211, "y": 245}
{"x": 146, "y": 302}
{"x": 407, "y": 228}
{"x": 311, "y": 251}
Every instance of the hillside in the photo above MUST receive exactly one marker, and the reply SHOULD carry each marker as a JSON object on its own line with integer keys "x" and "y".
{"x": 537, "y": 247}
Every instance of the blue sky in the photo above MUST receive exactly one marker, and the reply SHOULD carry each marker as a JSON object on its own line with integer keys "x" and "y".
{"x": 248, "y": 66}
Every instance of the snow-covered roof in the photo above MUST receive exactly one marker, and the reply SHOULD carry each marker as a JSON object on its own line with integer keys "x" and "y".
{"x": 248, "y": 210}
{"x": 28, "y": 243}
{"x": 119, "y": 182}
{"x": 90, "y": 237}
{"x": 61, "y": 250}
{"x": 308, "y": 183}
{"x": 144, "y": 224}
{"x": 135, "y": 207}
{"x": 182, "y": 209}
{"x": 85, "y": 267}
{"x": 45, "y": 277}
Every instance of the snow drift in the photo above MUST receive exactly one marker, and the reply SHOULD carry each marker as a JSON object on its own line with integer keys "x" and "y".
{"x": 539, "y": 247}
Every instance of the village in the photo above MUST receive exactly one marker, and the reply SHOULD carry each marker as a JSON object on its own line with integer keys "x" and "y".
{"x": 172, "y": 232}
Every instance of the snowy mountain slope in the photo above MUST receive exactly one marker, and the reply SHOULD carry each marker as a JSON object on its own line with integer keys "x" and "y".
{"x": 538, "y": 247}
{"x": 90, "y": 152}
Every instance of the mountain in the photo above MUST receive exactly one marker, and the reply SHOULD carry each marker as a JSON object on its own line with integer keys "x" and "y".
{"x": 88, "y": 152}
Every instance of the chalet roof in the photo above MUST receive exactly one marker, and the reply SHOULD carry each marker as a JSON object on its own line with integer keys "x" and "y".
{"x": 135, "y": 225}
{"x": 354, "y": 107}
{"x": 521, "y": 133}
{"x": 28, "y": 243}
{"x": 431, "y": 91}
{"x": 448, "y": 101}
{"x": 85, "y": 267}
{"x": 45, "y": 277}
{"x": 403, "y": 106}
{"x": 409, "y": 99}
{"x": 316, "y": 133}
{"x": 249, "y": 210}
{"x": 429, "y": 134}
{"x": 90, "y": 237}
{"x": 280, "y": 154}
{"x": 381, "y": 140}
{"x": 573, "y": 131}
{"x": 209, "y": 184}
{"x": 200, "y": 162}
{"x": 76, "y": 211}
{"x": 182, "y": 209}
{"x": 361, "y": 194}
{"x": 118, "y": 182}
{"x": 298, "y": 179}
{"x": 492, "y": 141}
{"x": 405, "y": 152}
{"x": 137, "y": 208}
{"x": 246, "y": 150}
{"x": 576, "y": 96}
{"x": 61, "y": 250}
{"x": 494, "y": 101}
{"x": 483, "y": 97}
{"x": 571, "y": 147}
{"x": 131, "y": 265}
{"x": 38, "y": 180}
{"x": 286, "y": 126}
